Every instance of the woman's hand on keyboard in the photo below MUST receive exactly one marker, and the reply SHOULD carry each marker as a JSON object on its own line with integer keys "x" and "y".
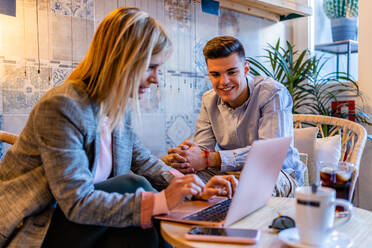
{"x": 180, "y": 187}
{"x": 220, "y": 185}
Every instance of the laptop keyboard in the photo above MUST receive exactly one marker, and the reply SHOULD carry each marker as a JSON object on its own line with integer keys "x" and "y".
{"x": 214, "y": 213}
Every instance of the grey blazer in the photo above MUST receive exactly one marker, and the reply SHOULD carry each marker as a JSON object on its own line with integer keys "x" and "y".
{"x": 54, "y": 160}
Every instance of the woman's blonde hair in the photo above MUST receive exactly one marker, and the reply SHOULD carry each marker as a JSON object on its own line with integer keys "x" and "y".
{"x": 117, "y": 59}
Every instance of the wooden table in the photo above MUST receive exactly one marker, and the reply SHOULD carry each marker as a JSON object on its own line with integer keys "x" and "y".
{"x": 359, "y": 228}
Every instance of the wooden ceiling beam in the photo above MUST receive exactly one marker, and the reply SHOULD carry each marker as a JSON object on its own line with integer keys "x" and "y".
{"x": 273, "y": 10}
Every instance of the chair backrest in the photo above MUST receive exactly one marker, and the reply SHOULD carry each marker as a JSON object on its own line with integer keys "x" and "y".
{"x": 353, "y": 137}
{"x": 9, "y": 138}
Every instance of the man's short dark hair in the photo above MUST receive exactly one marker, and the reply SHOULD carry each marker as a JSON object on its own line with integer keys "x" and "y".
{"x": 223, "y": 46}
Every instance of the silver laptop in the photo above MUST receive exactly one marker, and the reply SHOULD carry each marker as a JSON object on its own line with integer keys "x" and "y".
{"x": 256, "y": 183}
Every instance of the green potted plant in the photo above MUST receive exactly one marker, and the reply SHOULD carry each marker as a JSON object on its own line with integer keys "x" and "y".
{"x": 312, "y": 92}
{"x": 343, "y": 15}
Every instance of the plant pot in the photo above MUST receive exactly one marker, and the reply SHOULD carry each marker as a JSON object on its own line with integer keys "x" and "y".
{"x": 344, "y": 28}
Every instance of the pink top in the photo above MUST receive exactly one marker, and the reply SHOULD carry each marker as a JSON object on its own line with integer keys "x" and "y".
{"x": 152, "y": 204}
{"x": 104, "y": 165}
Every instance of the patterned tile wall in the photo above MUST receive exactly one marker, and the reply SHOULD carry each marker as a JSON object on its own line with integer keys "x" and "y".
{"x": 29, "y": 68}
{"x": 77, "y": 8}
{"x": 65, "y": 28}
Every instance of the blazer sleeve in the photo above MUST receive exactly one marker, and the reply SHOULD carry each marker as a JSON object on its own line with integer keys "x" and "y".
{"x": 60, "y": 127}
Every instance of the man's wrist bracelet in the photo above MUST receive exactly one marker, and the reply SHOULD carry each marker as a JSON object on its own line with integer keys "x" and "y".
{"x": 206, "y": 154}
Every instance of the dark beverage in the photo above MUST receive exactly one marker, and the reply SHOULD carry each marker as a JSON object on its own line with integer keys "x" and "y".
{"x": 339, "y": 180}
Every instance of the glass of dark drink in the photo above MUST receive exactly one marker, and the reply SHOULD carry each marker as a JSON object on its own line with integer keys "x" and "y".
{"x": 337, "y": 176}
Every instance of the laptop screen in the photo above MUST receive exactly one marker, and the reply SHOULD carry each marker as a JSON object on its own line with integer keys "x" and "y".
{"x": 258, "y": 177}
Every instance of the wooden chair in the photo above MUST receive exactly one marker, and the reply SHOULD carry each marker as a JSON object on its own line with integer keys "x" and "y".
{"x": 9, "y": 138}
{"x": 353, "y": 137}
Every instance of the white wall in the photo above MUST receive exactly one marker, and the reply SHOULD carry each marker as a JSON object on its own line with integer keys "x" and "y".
{"x": 303, "y": 30}
{"x": 322, "y": 35}
{"x": 365, "y": 83}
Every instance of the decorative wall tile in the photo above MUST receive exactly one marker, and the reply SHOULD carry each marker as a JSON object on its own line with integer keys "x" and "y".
{"x": 20, "y": 77}
{"x": 179, "y": 12}
{"x": 201, "y": 85}
{"x": 199, "y": 60}
{"x": 22, "y": 87}
{"x": 76, "y": 8}
{"x": 19, "y": 102}
{"x": 89, "y": 10}
{"x": 39, "y": 81}
{"x": 177, "y": 129}
{"x": 13, "y": 76}
{"x": 59, "y": 75}
{"x": 59, "y": 7}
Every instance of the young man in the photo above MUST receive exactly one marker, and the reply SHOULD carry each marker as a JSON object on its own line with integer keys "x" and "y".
{"x": 239, "y": 110}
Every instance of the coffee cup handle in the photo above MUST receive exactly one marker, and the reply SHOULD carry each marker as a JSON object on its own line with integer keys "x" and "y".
{"x": 348, "y": 207}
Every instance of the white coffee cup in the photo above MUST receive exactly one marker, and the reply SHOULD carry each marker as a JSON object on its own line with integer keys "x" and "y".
{"x": 315, "y": 213}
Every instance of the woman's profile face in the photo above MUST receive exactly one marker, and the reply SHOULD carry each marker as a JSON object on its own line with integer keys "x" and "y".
{"x": 151, "y": 75}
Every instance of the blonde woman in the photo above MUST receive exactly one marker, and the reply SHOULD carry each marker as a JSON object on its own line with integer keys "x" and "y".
{"x": 66, "y": 181}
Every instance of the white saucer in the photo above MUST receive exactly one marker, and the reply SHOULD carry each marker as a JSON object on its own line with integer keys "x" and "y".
{"x": 335, "y": 240}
